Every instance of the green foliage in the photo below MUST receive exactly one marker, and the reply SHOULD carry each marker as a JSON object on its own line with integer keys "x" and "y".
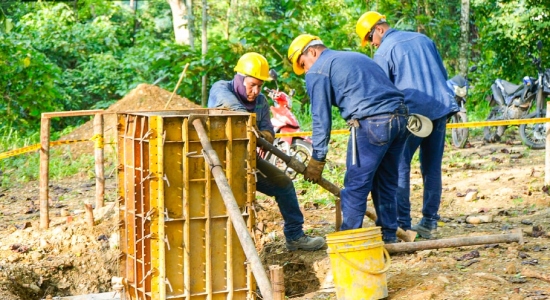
{"x": 27, "y": 83}
{"x": 58, "y": 56}
{"x": 70, "y": 59}
{"x": 508, "y": 31}
{"x": 25, "y": 167}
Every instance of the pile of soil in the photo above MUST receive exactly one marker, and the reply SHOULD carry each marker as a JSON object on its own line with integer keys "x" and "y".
{"x": 69, "y": 258}
{"x": 145, "y": 97}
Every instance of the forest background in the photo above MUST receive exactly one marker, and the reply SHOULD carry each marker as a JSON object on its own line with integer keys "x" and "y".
{"x": 87, "y": 54}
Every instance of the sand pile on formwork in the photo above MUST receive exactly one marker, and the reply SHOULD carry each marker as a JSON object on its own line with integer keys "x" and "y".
{"x": 144, "y": 97}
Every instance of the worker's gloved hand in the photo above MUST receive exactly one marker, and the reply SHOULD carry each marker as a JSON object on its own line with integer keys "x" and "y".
{"x": 266, "y": 135}
{"x": 314, "y": 170}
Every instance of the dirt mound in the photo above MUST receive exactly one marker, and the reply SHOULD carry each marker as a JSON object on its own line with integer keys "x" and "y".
{"x": 151, "y": 97}
{"x": 145, "y": 97}
{"x": 69, "y": 258}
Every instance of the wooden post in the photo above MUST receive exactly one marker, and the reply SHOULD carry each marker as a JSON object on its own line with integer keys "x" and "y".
{"x": 44, "y": 172}
{"x": 99, "y": 161}
{"x": 547, "y": 153}
{"x": 277, "y": 282}
{"x": 89, "y": 214}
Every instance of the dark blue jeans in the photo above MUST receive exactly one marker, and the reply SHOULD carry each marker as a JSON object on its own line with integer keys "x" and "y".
{"x": 278, "y": 185}
{"x": 380, "y": 142}
{"x": 431, "y": 155}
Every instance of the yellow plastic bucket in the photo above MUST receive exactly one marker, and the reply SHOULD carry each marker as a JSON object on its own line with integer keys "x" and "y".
{"x": 359, "y": 263}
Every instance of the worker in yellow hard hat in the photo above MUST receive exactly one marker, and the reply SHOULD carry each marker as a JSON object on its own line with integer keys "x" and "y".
{"x": 412, "y": 62}
{"x": 376, "y": 114}
{"x": 366, "y": 26}
{"x": 243, "y": 93}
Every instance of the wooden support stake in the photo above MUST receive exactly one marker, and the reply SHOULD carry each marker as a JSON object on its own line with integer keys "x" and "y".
{"x": 547, "y": 154}
{"x": 44, "y": 172}
{"x": 99, "y": 161}
{"x": 89, "y": 214}
{"x": 177, "y": 85}
{"x": 277, "y": 282}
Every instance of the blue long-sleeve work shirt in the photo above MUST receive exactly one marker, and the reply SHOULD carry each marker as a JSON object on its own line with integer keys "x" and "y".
{"x": 222, "y": 95}
{"x": 413, "y": 64}
{"x": 352, "y": 82}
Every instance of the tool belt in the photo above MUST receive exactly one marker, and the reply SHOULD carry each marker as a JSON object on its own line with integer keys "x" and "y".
{"x": 353, "y": 124}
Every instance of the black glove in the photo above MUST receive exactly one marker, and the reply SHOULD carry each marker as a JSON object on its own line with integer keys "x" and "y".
{"x": 314, "y": 170}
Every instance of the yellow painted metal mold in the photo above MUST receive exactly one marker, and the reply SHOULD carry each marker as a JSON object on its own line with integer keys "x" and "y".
{"x": 177, "y": 241}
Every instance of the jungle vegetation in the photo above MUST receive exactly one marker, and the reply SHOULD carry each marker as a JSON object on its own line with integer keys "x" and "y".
{"x": 87, "y": 54}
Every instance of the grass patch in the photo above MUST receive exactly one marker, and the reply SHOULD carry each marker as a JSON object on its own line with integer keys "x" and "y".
{"x": 25, "y": 167}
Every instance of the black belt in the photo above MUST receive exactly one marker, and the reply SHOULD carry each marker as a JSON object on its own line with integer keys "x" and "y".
{"x": 402, "y": 110}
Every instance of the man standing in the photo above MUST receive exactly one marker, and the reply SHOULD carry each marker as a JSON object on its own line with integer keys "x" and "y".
{"x": 411, "y": 61}
{"x": 376, "y": 114}
{"x": 243, "y": 93}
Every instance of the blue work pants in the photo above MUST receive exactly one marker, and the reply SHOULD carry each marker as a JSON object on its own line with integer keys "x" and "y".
{"x": 380, "y": 140}
{"x": 278, "y": 185}
{"x": 431, "y": 155}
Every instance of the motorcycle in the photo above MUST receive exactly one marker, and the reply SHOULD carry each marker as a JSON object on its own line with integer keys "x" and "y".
{"x": 459, "y": 85}
{"x": 284, "y": 121}
{"x": 524, "y": 101}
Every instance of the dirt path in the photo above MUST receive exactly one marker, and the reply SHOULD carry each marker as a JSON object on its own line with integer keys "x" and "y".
{"x": 500, "y": 181}
{"x": 507, "y": 180}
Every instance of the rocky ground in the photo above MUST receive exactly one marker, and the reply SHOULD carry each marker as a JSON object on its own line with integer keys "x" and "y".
{"x": 488, "y": 189}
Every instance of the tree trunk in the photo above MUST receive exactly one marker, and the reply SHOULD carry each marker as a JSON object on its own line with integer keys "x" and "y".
{"x": 230, "y": 10}
{"x": 204, "y": 50}
{"x": 190, "y": 23}
{"x": 182, "y": 18}
{"x": 228, "y": 18}
{"x": 464, "y": 37}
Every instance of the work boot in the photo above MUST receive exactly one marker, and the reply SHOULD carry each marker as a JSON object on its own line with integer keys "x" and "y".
{"x": 424, "y": 232}
{"x": 306, "y": 243}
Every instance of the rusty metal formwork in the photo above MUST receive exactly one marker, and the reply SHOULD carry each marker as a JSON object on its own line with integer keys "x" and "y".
{"x": 176, "y": 239}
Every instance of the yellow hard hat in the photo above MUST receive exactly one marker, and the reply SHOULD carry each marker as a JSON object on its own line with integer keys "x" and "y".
{"x": 296, "y": 49}
{"x": 365, "y": 24}
{"x": 253, "y": 64}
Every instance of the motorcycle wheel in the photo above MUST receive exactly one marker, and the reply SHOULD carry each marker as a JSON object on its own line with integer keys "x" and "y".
{"x": 459, "y": 135}
{"x": 533, "y": 135}
{"x": 300, "y": 149}
{"x": 492, "y": 134}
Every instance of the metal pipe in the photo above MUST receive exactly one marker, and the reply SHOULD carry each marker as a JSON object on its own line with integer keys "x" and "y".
{"x": 515, "y": 236}
{"x": 233, "y": 210}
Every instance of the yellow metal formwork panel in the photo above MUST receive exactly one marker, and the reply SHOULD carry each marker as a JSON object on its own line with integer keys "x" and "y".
{"x": 177, "y": 240}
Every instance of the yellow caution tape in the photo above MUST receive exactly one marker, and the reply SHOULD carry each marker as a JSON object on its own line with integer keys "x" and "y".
{"x": 498, "y": 123}
{"x": 449, "y": 125}
{"x": 98, "y": 139}
{"x": 36, "y": 147}
{"x": 100, "y": 143}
